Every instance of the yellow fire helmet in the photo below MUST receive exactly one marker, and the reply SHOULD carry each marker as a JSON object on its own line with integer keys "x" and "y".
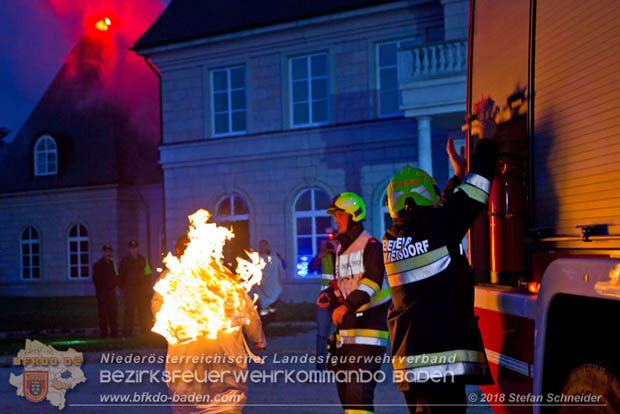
{"x": 350, "y": 203}
{"x": 412, "y": 183}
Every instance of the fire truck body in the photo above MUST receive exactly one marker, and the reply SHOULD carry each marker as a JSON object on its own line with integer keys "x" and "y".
{"x": 546, "y": 254}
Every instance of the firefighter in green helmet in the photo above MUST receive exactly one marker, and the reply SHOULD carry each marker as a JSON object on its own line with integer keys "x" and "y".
{"x": 436, "y": 343}
{"x": 360, "y": 297}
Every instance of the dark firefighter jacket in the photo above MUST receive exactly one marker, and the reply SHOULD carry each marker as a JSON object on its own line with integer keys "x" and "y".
{"x": 433, "y": 330}
{"x": 365, "y": 322}
{"x": 105, "y": 276}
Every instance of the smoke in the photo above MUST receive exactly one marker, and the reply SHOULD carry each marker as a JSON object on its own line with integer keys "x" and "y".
{"x": 102, "y": 59}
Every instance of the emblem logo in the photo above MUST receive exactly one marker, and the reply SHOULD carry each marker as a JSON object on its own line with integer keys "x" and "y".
{"x": 35, "y": 385}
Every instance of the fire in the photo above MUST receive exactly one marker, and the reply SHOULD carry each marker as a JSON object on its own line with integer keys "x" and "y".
{"x": 103, "y": 24}
{"x": 201, "y": 297}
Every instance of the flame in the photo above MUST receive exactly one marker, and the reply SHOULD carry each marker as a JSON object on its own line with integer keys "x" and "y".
{"x": 201, "y": 297}
{"x": 103, "y": 24}
{"x": 613, "y": 275}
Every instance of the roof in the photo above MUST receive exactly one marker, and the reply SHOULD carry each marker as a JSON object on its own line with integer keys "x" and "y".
{"x": 96, "y": 139}
{"x": 185, "y": 20}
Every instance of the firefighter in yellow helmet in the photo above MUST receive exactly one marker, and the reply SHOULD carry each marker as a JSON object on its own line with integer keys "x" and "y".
{"x": 436, "y": 343}
{"x": 360, "y": 298}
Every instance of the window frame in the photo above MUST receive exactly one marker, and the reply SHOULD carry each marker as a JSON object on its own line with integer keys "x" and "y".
{"x": 313, "y": 214}
{"x": 232, "y": 216}
{"x": 45, "y": 138}
{"x": 229, "y": 91}
{"x": 78, "y": 239}
{"x": 415, "y": 38}
{"x": 21, "y": 254}
{"x": 383, "y": 210}
{"x": 291, "y": 103}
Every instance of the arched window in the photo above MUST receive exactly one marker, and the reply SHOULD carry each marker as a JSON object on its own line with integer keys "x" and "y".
{"x": 78, "y": 249}
{"x": 45, "y": 156}
{"x": 386, "y": 219}
{"x": 311, "y": 227}
{"x": 232, "y": 211}
{"x": 30, "y": 254}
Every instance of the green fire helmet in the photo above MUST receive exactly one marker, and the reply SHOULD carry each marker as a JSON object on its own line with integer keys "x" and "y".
{"x": 350, "y": 203}
{"x": 411, "y": 183}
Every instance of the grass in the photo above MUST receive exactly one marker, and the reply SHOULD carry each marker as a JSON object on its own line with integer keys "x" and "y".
{"x": 36, "y": 314}
{"x": 11, "y": 346}
{"x": 290, "y": 312}
{"x": 39, "y": 313}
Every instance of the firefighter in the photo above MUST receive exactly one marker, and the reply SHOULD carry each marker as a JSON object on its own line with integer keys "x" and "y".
{"x": 324, "y": 260}
{"x": 360, "y": 312}
{"x": 105, "y": 278}
{"x": 135, "y": 280}
{"x": 436, "y": 342}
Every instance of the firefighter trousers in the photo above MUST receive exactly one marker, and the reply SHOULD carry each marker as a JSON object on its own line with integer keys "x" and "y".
{"x": 436, "y": 398}
{"x": 360, "y": 362}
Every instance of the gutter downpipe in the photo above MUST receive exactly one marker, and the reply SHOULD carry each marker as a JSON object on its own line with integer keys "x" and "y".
{"x": 161, "y": 141}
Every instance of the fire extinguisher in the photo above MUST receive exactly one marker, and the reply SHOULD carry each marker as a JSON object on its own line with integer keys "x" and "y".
{"x": 507, "y": 207}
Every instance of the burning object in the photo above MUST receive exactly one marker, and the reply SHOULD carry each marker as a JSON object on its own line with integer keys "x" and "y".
{"x": 201, "y": 296}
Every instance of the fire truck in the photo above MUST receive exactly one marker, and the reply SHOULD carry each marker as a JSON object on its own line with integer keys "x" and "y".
{"x": 547, "y": 253}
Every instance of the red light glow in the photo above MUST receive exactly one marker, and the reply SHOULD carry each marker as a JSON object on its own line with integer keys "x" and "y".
{"x": 103, "y": 24}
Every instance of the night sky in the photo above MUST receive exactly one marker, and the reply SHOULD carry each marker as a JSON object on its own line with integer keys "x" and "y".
{"x": 36, "y": 36}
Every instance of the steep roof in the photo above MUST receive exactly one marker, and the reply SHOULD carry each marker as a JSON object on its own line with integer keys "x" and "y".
{"x": 185, "y": 20}
{"x": 96, "y": 139}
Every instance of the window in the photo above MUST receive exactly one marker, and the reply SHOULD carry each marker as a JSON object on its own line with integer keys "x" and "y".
{"x": 232, "y": 212}
{"x": 30, "y": 254}
{"x": 387, "y": 75}
{"x": 311, "y": 224}
{"x": 45, "y": 156}
{"x": 386, "y": 219}
{"x": 228, "y": 101}
{"x": 309, "y": 84}
{"x": 458, "y": 144}
{"x": 78, "y": 252}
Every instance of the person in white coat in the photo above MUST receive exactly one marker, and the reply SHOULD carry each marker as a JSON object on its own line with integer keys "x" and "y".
{"x": 270, "y": 287}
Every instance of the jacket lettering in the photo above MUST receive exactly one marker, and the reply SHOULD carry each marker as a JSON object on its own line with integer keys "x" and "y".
{"x": 403, "y": 248}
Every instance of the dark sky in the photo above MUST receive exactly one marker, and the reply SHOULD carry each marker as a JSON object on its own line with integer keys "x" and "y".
{"x": 35, "y": 37}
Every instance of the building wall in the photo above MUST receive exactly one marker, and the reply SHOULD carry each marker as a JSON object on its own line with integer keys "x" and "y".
{"x": 270, "y": 172}
{"x": 273, "y": 163}
{"x": 107, "y": 213}
{"x": 52, "y": 213}
{"x": 351, "y": 47}
{"x": 456, "y": 19}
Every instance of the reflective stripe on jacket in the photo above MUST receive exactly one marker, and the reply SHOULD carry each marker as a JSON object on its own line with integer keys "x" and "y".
{"x": 374, "y": 337}
{"x": 350, "y": 270}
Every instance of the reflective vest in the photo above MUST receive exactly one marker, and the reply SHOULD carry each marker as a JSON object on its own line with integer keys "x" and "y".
{"x": 327, "y": 270}
{"x": 349, "y": 271}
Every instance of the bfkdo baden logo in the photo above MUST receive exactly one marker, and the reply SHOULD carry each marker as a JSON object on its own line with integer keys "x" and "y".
{"x": 35, "y": 385}
{"x": 48, "y": 374}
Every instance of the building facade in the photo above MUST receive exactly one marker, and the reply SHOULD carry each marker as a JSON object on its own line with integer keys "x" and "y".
{"x": 270, "y": 111}
{"x": 78, "y": 175}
